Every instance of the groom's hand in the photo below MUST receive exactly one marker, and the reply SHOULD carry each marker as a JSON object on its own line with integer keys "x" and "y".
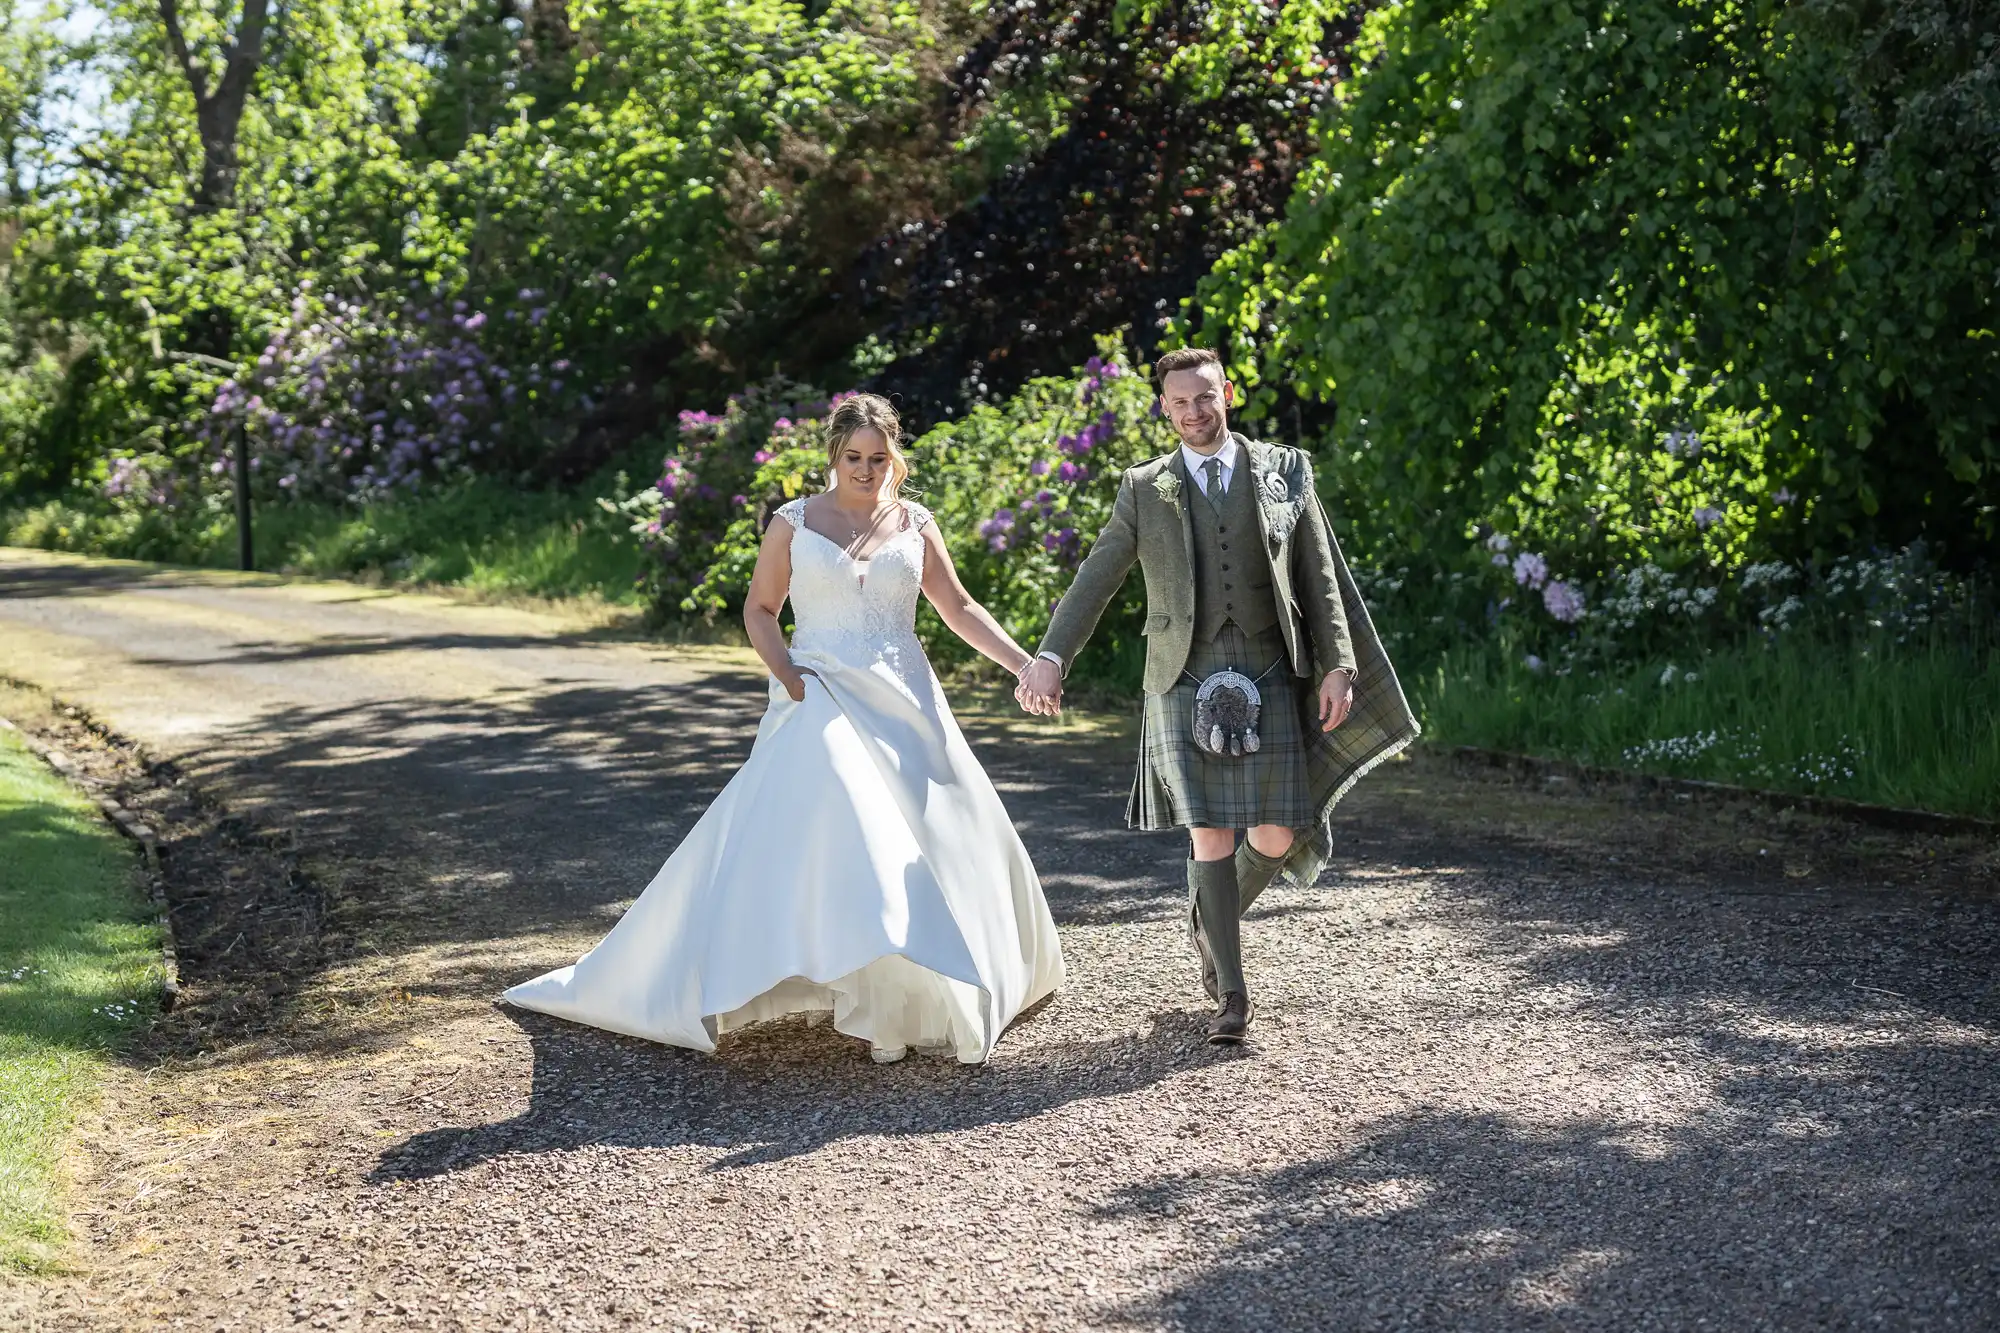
{"x": 1040, "y": 689}
{"x": 1336, "y": 697}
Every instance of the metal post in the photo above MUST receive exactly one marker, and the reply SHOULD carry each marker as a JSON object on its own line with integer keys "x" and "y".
{"x": 245, "y": 552}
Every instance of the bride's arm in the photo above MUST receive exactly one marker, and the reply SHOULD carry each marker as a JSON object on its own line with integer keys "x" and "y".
{"x": 963, "y": 616}
{"x": 768, "y": 588}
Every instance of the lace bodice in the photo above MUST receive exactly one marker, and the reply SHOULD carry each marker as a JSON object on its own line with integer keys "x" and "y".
{"x": 856, "y": 620}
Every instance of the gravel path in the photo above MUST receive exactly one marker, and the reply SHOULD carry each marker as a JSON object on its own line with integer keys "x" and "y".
{"x": 1526, "y": 1058}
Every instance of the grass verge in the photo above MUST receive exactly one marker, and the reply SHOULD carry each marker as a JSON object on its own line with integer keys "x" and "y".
{"x": 1916, "y": 726}
{"x": 79, "y": 970}
{"x": 482, "y": 535}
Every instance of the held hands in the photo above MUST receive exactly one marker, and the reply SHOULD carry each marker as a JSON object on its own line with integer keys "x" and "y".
{"x": 1336, "y": 698}
{"x": 1040, "y": 688}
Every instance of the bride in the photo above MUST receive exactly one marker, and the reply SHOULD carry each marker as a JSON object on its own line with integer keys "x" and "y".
{"x": 859, "y": 862}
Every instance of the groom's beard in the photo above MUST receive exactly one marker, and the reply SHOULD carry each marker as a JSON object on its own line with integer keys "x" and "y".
{"x": 1199, "y": 438}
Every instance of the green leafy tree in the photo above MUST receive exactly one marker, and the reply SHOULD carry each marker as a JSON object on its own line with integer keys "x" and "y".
{"x": 1550, "y": 230}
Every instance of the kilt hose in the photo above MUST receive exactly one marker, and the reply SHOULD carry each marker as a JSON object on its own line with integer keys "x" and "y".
{"x": 1179, "y": 785}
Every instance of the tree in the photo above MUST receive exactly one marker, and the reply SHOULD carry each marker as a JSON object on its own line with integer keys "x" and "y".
{"x": 220, "y": 86}
{"x": 1747, "y": 223}
{"x": 1132, "y": 146}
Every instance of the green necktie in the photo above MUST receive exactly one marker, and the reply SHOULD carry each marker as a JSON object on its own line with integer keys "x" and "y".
{"x": 1213, "y": 467}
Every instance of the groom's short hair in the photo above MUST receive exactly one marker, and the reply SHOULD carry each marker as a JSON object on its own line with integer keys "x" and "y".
{"x": 1183, "y": 358}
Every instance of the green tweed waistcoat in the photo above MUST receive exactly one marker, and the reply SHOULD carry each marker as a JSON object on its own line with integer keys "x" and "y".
{"x": 1232, "y": 576}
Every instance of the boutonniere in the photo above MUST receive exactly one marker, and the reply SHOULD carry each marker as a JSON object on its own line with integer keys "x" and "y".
{"x": 1275, "y": 489}
{"x": 1168, "y": 485}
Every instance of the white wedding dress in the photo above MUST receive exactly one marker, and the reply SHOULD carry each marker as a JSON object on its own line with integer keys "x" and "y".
{"x": 859, "y": 862}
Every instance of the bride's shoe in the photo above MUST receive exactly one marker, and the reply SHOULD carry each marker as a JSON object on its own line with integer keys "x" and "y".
{"x": 887, "y": 1055}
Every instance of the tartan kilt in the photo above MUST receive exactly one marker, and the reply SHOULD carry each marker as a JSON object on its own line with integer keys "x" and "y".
{"x": 1181, "y": 786}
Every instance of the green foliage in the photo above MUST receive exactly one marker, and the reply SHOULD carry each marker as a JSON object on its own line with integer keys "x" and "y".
{"x": 1018, "y": 489}
{"x": 724, "y": 472}
{"x": 79, "y": 965}
{"x": 1540, "y": 237}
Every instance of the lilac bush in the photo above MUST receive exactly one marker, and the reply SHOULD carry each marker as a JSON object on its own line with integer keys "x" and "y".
{"x": 716, "y": 487}
{"x": 352, "y": 397}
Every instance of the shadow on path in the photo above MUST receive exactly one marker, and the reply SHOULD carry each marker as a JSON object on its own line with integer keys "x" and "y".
{"x": 1753, "y": 1214}
{"x": 782, "y": 1089}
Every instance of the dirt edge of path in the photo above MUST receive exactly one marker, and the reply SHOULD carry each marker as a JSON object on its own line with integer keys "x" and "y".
{"x": 244, "y": 922}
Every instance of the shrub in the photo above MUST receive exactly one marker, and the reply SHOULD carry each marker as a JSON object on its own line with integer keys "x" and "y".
{"x": 1018, "y": 488}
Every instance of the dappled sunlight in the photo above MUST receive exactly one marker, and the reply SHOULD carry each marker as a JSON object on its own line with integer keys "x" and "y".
{"x": 1562, "y": 1285}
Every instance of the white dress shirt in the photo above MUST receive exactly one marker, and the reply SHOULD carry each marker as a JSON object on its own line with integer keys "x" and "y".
{"x": 1196, "y": 463}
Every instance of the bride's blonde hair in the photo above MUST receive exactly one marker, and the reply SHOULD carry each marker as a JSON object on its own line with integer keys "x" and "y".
{"x": 857, "y": 412}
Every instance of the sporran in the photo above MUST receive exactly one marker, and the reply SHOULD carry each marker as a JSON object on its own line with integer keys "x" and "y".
{"x": 1227, "y": 706}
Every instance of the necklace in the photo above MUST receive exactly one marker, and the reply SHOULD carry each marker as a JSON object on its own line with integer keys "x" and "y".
{"x": 859, "y": 533}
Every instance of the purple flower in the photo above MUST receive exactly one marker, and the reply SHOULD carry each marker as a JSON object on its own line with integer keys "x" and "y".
{"x": 1707, "y": 517}
{"x": 1564, "y": 602}
{"x": 1783, "y": 495}
{"x": 761, "y": 456}
{"x": 1069, "y": 471}
{"x": 1039, "y": 468}
{"x": 1530, "y": 571}
{"x": 1051, "y": 542}
{"x": 473, "y": 322}
{"x": 1500, "y": 560}
{"x": 782, "y": 423}
{"x": 738, "y": 500}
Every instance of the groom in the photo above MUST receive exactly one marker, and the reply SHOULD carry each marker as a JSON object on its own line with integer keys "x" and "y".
{"x": 1242, "y": 574}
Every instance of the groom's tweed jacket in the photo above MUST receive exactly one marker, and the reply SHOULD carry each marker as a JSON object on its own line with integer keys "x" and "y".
{"x": 1320, "y": 613}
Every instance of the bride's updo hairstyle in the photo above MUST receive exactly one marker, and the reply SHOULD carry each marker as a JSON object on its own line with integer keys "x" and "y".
{"x": 857, "y": 412}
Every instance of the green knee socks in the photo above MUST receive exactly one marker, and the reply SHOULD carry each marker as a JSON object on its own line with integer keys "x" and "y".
{"x": 1215, "y": 897}
{"x": 1254, "y": 873}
